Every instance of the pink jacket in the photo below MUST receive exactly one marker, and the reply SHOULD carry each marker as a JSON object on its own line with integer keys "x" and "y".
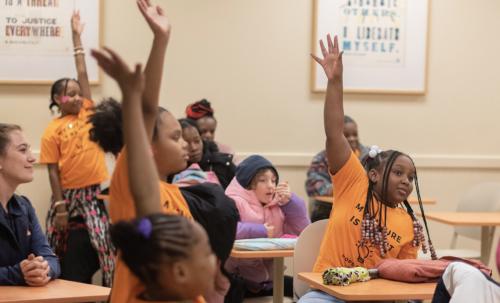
{"x": 288, "y": 219}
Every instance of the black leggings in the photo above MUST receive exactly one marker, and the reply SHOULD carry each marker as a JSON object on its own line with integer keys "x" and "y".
{"x": 80, "y": 262}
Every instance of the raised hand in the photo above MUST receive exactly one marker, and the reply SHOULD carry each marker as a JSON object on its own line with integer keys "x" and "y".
{"x": 130, "y": 81}
{"x": 332, "y": 59}
{"x": 155, "y": 17}
{"x": 76, "y": 24}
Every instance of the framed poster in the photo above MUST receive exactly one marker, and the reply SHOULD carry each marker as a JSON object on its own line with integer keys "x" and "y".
{"x": 35, "y": 39}
{"x": 384, "y": 44}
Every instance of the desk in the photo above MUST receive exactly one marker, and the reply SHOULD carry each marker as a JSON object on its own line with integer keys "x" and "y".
{"x": 411, "y": 200}
{"x": 486, "y": 220}
{"x": 103, "y": 197}
{"x": 373, "y": 290}
{"x": 57, "y": 291}
{"x": 278, "y": 267}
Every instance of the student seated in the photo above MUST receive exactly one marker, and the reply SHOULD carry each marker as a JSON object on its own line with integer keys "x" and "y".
{"x": 267, "y": 209}
{"x": 203, "y": 113}
{"x": 368, "y": 222}
{"x": 25, "y": 255}
{"x": 206, "y": 163}
{"x": 319, "y": 183}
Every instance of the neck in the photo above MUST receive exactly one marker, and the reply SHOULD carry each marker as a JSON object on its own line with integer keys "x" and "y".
{"x": 386, "y": 203}
{"x": 7, "y": 189}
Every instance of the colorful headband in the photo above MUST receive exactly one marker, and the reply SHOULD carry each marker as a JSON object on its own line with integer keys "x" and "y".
{"x": 374, "y": 151}
{"x": 145, "y": 227}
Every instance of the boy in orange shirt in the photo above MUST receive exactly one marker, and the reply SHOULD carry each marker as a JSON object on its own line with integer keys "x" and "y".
{"x": 367, "y": 222}
{"x": 77, "y": 222}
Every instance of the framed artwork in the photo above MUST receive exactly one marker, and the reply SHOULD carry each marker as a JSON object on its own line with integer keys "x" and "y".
{"x": 35, "y": 39}
{"x": 384, "y": 44}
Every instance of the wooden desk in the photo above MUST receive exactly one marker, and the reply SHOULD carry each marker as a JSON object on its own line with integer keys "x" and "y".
{"x": 57, "y": 291}
{"x": 411, "y": 200}
{"x": 373, "y": 290}
{"x": 278, "y": 267}
{"x": 486, "y": 220}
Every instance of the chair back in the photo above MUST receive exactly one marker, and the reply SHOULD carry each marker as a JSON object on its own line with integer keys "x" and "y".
{"x": 305, "y": 254}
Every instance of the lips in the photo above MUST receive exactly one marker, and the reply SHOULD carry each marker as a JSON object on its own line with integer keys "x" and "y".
{"x": 402, "y": 191}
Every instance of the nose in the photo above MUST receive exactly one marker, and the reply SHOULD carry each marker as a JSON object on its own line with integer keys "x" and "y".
{"x": 184, "y": 144}
{"x": 31, "y": 158}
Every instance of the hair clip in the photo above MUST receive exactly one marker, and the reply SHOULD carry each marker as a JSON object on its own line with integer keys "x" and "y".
{"x": 145, "y": 227}
{"x": 374, "y": 151}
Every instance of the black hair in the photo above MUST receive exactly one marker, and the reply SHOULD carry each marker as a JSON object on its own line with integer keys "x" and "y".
{"x": 348, "y": 119}
{"x": 374, "y": 220}
{"x": 169, "y": 239}
{"x": 107, "y": 126}
{"x": 158, "y": 121}
{"x": 187, "y": 122}
{"x": 59, "y": 87}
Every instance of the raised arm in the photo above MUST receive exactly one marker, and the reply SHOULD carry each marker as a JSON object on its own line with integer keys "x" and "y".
{"x": 143, "y": 176}
{"x": 337, "y": 147}
{"x": 158, "y": 22}
{"x": 81, "y": 68}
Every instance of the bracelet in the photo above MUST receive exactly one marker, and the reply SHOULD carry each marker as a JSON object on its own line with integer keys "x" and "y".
{"x": 79, "y": 52}
{"x": 61, "y": 214}
{"x": 78, "y": 48}
{"x": 60, "y": 202}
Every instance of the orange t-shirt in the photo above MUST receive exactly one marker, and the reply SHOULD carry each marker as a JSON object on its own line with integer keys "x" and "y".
{"x": 341, "y": 242}
{"x": 66, "y": 142}
{"x": 126, "y": 286}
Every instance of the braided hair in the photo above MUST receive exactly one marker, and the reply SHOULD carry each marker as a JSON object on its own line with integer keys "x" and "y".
{"x": 59, "y": 87}
{"x": 155, "y": 239}
{"x": 373, "y": 226}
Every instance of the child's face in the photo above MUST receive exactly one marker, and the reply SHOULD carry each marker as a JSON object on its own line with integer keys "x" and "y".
{"x": 194, "y": 144}
{"x": 264, "y": 186}
{"x": 169, "y": 148}
{"x": 196, "y": 274}
{"x": 207, "y": 126}
{"x": 400, "y": 182}
{"x": 351, "y": 134}
{"x": 70, "y": 102}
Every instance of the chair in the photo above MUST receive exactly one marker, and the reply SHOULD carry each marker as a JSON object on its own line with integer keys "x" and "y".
{"x": 305, "y": 253}
{"x": 481, "y": 197}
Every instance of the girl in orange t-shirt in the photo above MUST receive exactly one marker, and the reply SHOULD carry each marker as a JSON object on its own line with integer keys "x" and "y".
{"x": 368, "y": 222}
{"x": 170, "y": 254}
{"x": 77, "y": 221}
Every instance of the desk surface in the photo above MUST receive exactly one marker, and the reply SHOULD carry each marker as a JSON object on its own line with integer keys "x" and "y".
{"x": 466, "y": 218}
{"x": 249, "y": 254}
{"x": 412, "y": 200}
{"x": 375, "y": 290}
{"x": 57, "y": 291}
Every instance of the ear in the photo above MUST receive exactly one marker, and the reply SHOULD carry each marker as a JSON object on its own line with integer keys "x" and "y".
{"x": 373, "y": 175}
{"x": 180, "y": 272}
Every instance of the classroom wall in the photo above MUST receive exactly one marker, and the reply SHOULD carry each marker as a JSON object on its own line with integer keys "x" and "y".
{"x": 251, "y": 59}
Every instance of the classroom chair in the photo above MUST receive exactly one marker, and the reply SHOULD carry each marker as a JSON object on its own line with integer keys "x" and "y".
{"x": 305, "y": 253}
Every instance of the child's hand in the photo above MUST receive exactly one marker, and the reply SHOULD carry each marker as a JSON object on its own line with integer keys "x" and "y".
{"x": 332, "y": 59}
{"x": 270, "y": 230}
{"x": 155, "y": 17}
{"x": 76, "y": 25}
{"x": 283, "y": 193}
{"x": 130, "y": 82}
